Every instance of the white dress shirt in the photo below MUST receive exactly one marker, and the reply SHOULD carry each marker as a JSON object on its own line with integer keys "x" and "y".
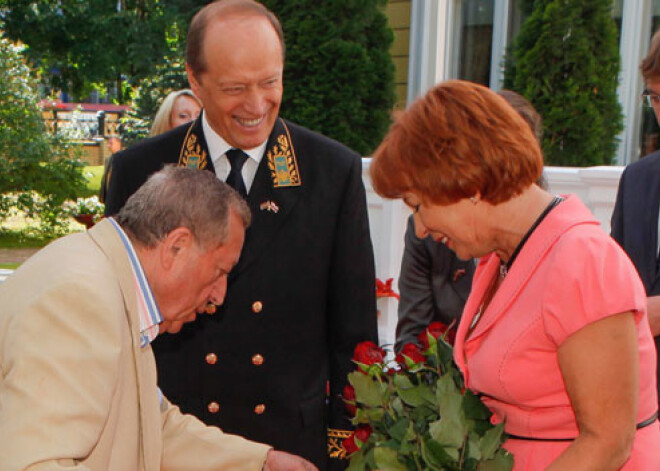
{"x": 218, "y": 148}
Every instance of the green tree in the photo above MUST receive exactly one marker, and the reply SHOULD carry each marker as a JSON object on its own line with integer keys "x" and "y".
{"x": 339, "y": 75}
{"x": 566, "y": 62}
{"x": 36, "y": 173}
{"x": 150, "y": 91}
{"x": 77, "y": 44}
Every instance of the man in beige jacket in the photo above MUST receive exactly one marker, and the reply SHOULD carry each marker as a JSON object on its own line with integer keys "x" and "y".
{"x": 77, "y": 376}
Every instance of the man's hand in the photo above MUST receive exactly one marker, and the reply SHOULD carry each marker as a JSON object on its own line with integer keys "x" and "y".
{"x": 281, "y": 461}
{"x": 654, "y": 314}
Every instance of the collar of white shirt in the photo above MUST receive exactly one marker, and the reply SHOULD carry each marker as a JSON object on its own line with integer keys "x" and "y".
{"x": 217, "y": 149}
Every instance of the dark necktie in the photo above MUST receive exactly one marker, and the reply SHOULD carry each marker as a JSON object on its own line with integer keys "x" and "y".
{"x": 236, "y": 159}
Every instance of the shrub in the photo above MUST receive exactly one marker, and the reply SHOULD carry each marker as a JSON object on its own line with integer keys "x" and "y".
{"x": 338, "y": 76}
{"x": 31, "y": 161}
{"x": 566, "y": 62}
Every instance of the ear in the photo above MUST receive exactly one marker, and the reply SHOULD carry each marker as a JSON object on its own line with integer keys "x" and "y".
{"x": 192, "y": 81}
{"x": 176, "y": 247}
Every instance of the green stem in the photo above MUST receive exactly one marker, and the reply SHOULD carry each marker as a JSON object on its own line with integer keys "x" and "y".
{"x": 416, "y": 458}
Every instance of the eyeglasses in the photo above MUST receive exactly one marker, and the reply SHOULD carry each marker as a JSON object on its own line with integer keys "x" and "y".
{"x": 650, "y": 98}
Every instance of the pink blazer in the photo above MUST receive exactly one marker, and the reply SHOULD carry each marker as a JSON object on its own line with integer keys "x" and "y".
{"x": 569, "y": 273}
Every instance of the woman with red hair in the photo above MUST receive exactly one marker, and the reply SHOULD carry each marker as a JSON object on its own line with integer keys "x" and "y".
{"x": 554, "y": 335}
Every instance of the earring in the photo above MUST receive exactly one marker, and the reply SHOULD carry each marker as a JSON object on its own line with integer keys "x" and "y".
{"x": 473, "y": 200}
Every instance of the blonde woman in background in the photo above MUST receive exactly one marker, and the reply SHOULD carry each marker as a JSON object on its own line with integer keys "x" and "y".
{"x": 179, "y": 107}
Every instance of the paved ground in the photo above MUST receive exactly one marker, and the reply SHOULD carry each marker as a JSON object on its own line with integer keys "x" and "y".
{"x": 15, "y": 255}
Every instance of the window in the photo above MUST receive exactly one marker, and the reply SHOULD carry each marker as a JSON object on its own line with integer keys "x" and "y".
{"x": 475, "y": 37}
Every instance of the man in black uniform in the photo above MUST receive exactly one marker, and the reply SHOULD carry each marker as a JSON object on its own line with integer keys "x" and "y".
{"x": 303, "y": 292}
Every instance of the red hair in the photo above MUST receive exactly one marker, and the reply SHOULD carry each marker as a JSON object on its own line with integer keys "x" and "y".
{"x": 460, "y": 139}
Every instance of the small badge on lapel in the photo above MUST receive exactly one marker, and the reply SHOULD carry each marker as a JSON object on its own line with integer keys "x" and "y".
{"x": 283, "y": 164}
{"x": 459, "y": 273}
{"x": 269, "y": 206}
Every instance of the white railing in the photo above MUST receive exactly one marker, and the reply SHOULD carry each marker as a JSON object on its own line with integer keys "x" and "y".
{"x": 595, "y": 186}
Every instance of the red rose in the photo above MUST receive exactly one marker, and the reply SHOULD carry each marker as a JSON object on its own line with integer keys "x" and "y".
{"x": 436, "y": 329}
{"x": 411, "y": 351}
{"x": 349, "y": 400}
{"x": 362, "y": 434}
{"x": 349, "y": 444}
{"x": 368, "y": 353}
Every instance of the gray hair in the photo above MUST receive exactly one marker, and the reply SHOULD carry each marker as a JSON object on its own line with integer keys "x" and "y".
{"x": 182, "y": 197}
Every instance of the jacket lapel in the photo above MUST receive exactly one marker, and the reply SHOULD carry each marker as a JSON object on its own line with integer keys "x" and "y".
{"x": 106, "y": 237}
{"x": 270, "y": 203}
{"x": 194, "y": 152}
{"x": 650, "y": 229}
{"x": 568, "y": 214}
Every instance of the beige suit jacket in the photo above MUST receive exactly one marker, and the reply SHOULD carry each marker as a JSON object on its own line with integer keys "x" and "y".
{"x": 76, "y": 389}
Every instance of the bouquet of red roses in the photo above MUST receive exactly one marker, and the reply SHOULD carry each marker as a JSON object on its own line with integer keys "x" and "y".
{"x": 414, "y": 413}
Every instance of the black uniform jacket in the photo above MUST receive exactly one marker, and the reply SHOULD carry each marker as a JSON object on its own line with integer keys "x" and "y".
{"x": 300, "y": 298}
{"x": 635, "y": 222}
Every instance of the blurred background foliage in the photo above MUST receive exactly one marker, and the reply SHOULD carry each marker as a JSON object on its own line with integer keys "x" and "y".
{"x": 38, "y": 171}
{"x": 339, "y": 76}
{"x": 565, "y": 61}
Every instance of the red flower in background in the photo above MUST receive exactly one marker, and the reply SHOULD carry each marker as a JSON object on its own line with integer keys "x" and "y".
{"x": 411, "y": 351}
{"x": 362, "y": 433}
{"x": 384, "y": 289}
{"x": 437, "y": 329}
{"x": 349, "y": 395}
{"x": 368, "y": 353}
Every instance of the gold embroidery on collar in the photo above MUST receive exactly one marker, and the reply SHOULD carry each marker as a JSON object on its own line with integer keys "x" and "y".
{"x": 192, "y": 155}
{"x": 282, "y": 162}
{"x": 335, "y": 443}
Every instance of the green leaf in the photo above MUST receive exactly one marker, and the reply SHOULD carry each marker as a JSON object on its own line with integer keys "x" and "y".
{"x": 399, "y": 429}
{"x": 491, "y": 441}
{"x": 503, "y": 461}
{"x": 450, "y": 400}
{"x": 398, "y": 406}
{"x": 448, "y": 432}
{"x": 436, "y": 456}
{"x": 367, "y": 391}
{"x": 410, "y": 394}
{"x": 374, "y": 415}
{"x": 473, "y": 449}
{"x": 386, "y": 458}
{"x": 474, "y": 408}
{"x": 401, "y": 381}
{"x": 357, "y": 462}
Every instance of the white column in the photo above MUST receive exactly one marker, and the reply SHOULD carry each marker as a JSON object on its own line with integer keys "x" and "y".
{"x": 387, "y": 223}
{"x": 602, "y": 183}
{"x": 635, "y": 31}
{"x": 498, "y": 49}
{"x": 426, "y": 63}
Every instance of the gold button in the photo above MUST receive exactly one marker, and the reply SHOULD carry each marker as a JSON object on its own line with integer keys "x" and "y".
{"x": 259, "y": 409}
{"x": 211, "y": 358}
{"x": 257, "y": 306}
{"x": 257, "y": 360}
{"x": 213, "y": 407}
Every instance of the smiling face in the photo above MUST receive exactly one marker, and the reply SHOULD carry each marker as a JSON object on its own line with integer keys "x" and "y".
{"x": 456, "y": 225}
{"x": 184, "y": 110}
{"x": 241, "y": 88}
{"x": 197, "y": 276}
